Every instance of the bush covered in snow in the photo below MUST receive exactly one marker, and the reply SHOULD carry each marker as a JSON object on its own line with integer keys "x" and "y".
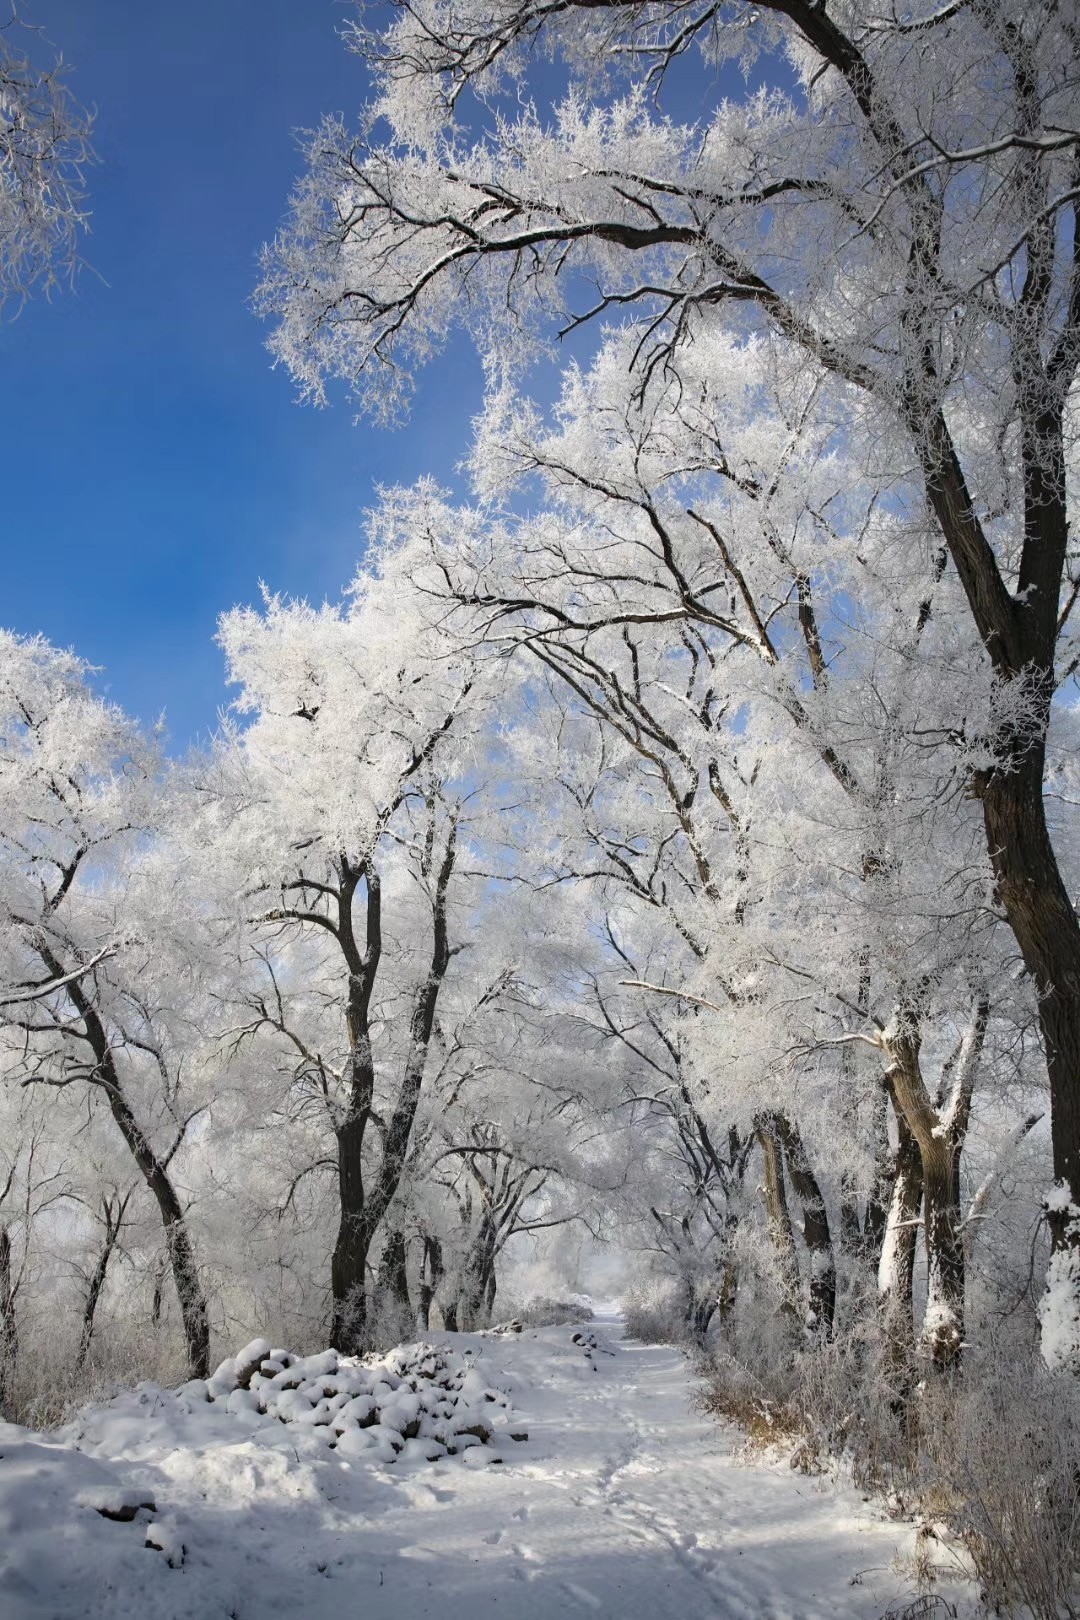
{"x": 542, "y": 1310}
{"x": 653, "y": 1313}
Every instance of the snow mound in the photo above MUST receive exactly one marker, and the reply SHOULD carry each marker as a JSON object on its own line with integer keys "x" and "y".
{"x": 419, "y": 1402}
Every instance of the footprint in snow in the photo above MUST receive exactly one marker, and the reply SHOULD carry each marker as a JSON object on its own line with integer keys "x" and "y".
{"x": 581, "y": 1595}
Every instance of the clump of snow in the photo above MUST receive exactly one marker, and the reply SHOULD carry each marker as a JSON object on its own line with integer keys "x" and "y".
{"x": 419, "y": 1402}
{"x": 1058, "y": 1200}
{"x": 1059, "y": 1308}
{"x": 164, "y": 1536}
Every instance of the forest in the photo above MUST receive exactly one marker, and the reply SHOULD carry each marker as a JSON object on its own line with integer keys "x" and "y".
{"x": 663, "y": 853}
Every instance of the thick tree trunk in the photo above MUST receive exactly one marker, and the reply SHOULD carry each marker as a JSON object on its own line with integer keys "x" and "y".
{"x": 939, "y": 1152}
{"x": 393, "y": 1275}
{"x": 431, "y": 1275}
{"x": 348, "y": 1265}
{"x": 701, "y": 1304}
{"x": 1044, "y": 922}
{"x": 1021, "y": 634}
{"x": 940, "y": 1129}
{"x": 727, "y": 1294}
{"x": 896, "y": 1273}
{"x": 821, "y": 1302}
{"x": 943, "y": 1323}
{"x": 363, "y": 1209}
{"x": 777, "y": 1215}
{"x": 478, "y": 1276}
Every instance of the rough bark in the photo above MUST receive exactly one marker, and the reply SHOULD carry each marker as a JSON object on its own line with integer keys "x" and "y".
{"x": 393, "y": 1275}
{"x": 896, "y": 1268}
{"x": 939, "y": 1132}
{"x": 821, "y": 1300}
{"x": 777, "y": 1215}
{"x": 363, "y": 1207}
{"x": 9, "y": 1335}
{"x": 431, "y": 1275}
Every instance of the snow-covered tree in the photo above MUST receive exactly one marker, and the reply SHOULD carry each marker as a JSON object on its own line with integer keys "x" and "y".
{"x": 896, "y": 220}
{"x": 92, "y": 1001}
{"x": 44, "y": 149}
{"x": 339, "y": 818}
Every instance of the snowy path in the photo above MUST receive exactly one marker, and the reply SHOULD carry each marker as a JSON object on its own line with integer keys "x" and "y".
{"x": 622, "y": 1504}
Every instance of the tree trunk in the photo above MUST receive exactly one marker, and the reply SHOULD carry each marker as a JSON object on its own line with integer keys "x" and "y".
{"x": 348, "y": 1265}
{"x": 478, "y": 1272}
{"x": 9, "y": 1337}
{"x": 156, "y": 1300}
{"x": 700, "y": 1307}
{"x": 939, "y": 1132}
{"x": 393, "y": 1275}
{"x": 880, "y": 1196}
{"x": 106, "y": 1076}
{"x": 896, "y": 1268}
{"x": 114, "y": 1215}
{"x": 1020, "y": 633}
{"x": 1044, "y": 922}
{"x": 777, "y": 1216}
{"x": 431, "y": 1275}
{"x": 363, "y": 1209}
{"x": 821, "y": 1304}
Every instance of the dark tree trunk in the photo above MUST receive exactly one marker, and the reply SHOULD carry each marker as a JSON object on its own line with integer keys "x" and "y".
{"x": 393, "y": 1276}
{"x": 114, "y": 1215}
{"x": 700, "y": 1307}
{"x": 363, "y": 1208}
{"x": 348, "y": 1264}
{"x": 822, "y": 1265}
{"x": 155, "y": 1173}
{"x": 157, "y": 1302}
{"x": 1021, "y": 636}
{"x": 431, "y": 1275}
{"x": 9, "y": 1335}
{"x": 1043, "y": 919}
{"x": 478, "y": 1277}
{"x": 189, "y": 1289}
{"x": 777, "y": 1215}
{"x": 880, "y": 1196}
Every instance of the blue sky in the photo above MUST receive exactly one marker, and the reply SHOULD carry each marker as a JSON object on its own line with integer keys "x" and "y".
{"x": 154, "y": 467}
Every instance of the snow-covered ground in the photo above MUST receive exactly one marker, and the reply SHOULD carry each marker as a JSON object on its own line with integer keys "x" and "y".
{"x": 620, "y": 1503}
